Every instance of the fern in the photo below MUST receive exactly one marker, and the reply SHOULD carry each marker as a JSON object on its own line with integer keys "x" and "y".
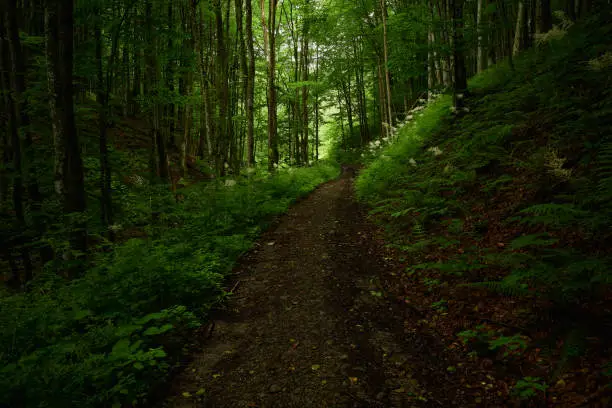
{"x": 573, "y": 347}
{"x": 558, "y": 215}
{"x": 504, "y": 287}
{"x": 532, "y": 240}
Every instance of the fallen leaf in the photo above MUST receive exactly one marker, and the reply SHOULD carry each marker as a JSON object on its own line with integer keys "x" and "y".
{"x": 323, "y": 382}
{"x": 353, "y": 380}
{"x": 186, "y": 394}
{"x": 315, "y": 367}
{"x": 399, "y": 390}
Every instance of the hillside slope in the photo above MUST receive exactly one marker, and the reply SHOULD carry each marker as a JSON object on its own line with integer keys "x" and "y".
{"x": 501, "y": 216}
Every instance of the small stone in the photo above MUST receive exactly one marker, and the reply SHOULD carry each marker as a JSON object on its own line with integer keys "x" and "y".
{"x": 274, "y": 388}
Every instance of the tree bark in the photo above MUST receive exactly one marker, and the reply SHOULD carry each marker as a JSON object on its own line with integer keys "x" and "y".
{"x": 383, "y": 6}
{"x": 222, "y": 91}
{"x": 250, "y": 92}
{"x": 460, "y": 76}
{"x": 481, "y": 60}
{"x": 102, "y": 99}
{"x": 544, "y": 17}
{"x": 270, "y": 44}
{"x": 68, "y": 172}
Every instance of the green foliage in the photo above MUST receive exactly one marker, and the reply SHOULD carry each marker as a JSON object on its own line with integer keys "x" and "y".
{"x": 105, "y": 338}
{"x": 529, "y": 387}
{"x": 525, "y": 135}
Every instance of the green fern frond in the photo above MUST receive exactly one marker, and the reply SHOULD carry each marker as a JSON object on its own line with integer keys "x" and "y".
{"x": 503, "y": 287}
{"x": 561, "y": 215}
{"x": 532, "y": 240}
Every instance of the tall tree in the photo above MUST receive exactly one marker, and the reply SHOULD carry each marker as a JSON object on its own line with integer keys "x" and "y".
{"x": 269, "y": 25}
{"x": 460, "y": 74}
{"x": 250, "y": 92}
{"x": 68, "y": 173}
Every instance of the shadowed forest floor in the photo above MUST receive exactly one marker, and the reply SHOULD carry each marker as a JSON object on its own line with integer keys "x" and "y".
{"x": 311, "y": 324}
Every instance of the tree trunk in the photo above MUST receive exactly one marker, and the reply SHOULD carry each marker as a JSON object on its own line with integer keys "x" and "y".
{"x": 460, "y": 77}
{"x": 250, "y": 96}
{"x": 518, "y": 32}
{"x": 383, "y": 6}
{"x": 69, "y": 183}
{"x": 270, "y": 41}
{"x": 222, "y": 92}
{"x": 481, "y": 61}
{"x": 305, "y": 78}
{"x": 544, "y": 17}
{"x": 102, "y": 99}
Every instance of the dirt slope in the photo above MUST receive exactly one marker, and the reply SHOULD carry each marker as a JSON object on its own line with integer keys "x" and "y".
{"x": 311, "y": 326}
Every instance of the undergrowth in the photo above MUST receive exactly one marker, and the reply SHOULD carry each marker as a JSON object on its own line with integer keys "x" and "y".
{"x": 106, "y": 338}
{"x": 515, "y": 194}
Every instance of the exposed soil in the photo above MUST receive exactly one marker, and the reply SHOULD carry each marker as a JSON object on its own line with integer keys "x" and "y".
{"x": 312, "y": 325}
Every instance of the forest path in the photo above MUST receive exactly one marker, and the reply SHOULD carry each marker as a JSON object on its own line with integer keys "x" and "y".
{"x": 309, "y": 325}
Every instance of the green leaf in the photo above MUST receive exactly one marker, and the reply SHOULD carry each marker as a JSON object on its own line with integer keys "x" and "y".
{"x": 532, "y": 240}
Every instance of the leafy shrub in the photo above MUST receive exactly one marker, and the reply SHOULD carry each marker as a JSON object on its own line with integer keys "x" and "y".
{"x": 105, "y": 338}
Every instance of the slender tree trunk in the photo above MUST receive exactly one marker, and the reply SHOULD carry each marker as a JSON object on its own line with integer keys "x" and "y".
{"x": 270, "y": 44}
{"x": 346, "y": 91}
{"x": 317, "y": 106}
{"x": 545, "y": 17}
{"x": 305, "y": 78}
{"x": 102, "y": 99}
{"x": 13, "y": 131}
{"x": 481, "y": 63}
{"x": 518, "y": 32}
{"x": 460, "y": 77}
{"x": 381, "y": 97}
{"x": 430, "y": 65}
{"x": 69, "y": 183}
{"x": 250, "y": 96}
{"x": 22, "y": 107}
{"x": 383, "y": 6}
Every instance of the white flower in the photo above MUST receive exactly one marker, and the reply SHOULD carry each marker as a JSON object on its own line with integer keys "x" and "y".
{"x": 435, "y": 150}
{"x": 466, "y": 109}
{"x": 230, "y": 183}
{"x": 377, "y": 143}
{"x": 413, "y": 162}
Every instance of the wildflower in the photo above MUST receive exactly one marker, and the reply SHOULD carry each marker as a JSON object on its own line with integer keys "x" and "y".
{"x": 412, "y": 162}
{"x": 230, "y": 183}
{"x": 435, "y": 150}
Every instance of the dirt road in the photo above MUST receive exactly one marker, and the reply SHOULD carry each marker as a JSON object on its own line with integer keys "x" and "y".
{"x": 310, "y": 324}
